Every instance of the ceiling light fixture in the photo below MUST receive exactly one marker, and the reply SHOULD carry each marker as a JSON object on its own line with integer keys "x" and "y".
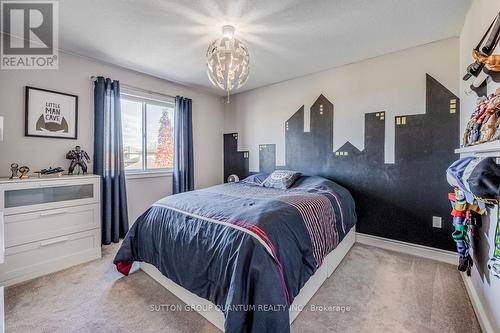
{"x": 228, "y": 61}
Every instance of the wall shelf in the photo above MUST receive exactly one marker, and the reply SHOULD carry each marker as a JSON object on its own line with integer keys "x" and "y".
{"x": 488, "y": 148}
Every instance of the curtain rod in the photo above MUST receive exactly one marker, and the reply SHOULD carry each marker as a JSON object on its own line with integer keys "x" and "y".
{"x": 127, "y": 86}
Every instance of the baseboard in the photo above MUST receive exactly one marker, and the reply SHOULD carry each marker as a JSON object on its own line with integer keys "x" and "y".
{"x": 408, "y": 248}
{"x": 481, "y": 315}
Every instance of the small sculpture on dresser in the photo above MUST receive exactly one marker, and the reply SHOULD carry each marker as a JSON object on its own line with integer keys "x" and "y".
{"x": 24, "y": 170}
{"x": 14, "y": 168}
{"x": 79, "y": 158}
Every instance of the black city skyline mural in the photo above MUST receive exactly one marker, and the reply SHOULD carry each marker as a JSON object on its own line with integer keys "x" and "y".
{"x": 394, "y": 201}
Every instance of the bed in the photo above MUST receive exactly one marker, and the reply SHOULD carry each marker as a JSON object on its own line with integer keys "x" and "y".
{"x": 246, "y": 257}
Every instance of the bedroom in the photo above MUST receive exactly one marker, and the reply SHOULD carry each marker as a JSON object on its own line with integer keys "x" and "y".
{"x": 249, "y": 166}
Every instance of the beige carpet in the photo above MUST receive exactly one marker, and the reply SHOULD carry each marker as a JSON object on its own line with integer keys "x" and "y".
{"x": 384, "y": 292}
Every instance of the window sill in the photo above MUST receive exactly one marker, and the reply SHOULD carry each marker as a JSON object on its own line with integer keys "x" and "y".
{"x": 147, "y": 174}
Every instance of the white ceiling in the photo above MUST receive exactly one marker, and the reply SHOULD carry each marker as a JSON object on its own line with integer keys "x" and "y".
{"x": 286, "y": 38}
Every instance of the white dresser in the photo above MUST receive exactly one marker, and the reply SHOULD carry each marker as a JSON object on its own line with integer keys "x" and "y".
{"x": 48, "y": 224}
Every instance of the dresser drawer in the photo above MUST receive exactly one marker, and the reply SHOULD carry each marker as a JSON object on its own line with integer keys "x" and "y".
{"x": 24, "y": 262}
{"x": 31, "y": 227}
{"x": 36, "y": 195}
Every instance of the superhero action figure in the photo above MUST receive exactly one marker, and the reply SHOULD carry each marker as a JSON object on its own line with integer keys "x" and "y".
{"x": 78, "y": 158}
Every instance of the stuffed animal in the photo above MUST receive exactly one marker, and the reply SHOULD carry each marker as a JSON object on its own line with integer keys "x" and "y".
{"x": 494, "y": 104}
{"x": 489, "y": 128}
{"x": 467, "y": 134}
{"x": 467, "y": 138}
{"x": 474, "y": 125}
{"x": 489, "y": 121}
{"x": 484, "y": 123}
{"x": 482, "y": 112}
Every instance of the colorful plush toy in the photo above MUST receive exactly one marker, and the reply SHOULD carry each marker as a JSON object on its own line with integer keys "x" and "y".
{"x": 484, "y": 123}
{"x": 472, "y": 130}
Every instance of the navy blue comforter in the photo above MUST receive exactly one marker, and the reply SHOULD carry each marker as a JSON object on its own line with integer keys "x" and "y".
{"x": 246, "y": 248}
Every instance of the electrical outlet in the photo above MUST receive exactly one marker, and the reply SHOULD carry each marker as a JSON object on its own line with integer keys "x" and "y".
{"x": 437, "y": 222}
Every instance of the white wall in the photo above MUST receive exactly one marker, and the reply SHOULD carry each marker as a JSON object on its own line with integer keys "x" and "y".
{"x": 487, "y": 287}
{"x": 73, "y": 76}
{"x": 143, "y": 192}
{"x": 394, "y": 83}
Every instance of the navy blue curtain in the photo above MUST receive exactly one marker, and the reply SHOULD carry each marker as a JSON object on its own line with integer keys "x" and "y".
{"x": 108, "y": 159}
{"x": 183, "y": 140}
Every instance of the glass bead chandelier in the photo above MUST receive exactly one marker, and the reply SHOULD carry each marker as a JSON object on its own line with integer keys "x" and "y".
{"x": 227, "y": 61}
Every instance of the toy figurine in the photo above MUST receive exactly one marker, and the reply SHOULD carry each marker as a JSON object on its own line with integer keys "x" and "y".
{"x": 78, "y": 158}
{"x": 14, "y": 168}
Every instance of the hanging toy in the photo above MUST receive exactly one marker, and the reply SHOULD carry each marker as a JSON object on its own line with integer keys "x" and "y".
{"x": 466, "y": 210}
{"x": 494, "y": 262}
{"x": 463, "y": 226}
{"x": 484, "y": 183}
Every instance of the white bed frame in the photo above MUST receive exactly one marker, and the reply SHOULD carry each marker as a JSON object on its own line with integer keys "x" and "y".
{"x": 216, "y": 317}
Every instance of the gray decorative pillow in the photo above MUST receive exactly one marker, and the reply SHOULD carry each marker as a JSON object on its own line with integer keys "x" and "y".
{"x": 281, "y": 179}
{"x": 256, "y": 179}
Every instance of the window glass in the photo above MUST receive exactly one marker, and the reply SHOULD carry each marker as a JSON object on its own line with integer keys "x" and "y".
{"x": 148, "y": 134}
{"x": 132, "y": 134}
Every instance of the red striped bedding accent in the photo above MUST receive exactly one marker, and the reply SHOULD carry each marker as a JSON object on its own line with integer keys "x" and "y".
{"x": 319, "y": 217}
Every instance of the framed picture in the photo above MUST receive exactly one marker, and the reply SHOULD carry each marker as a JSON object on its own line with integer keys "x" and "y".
{"x": 51, "y": 114}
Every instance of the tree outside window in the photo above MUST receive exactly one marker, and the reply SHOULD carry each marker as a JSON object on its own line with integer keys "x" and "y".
{"x": 148, "y": 134}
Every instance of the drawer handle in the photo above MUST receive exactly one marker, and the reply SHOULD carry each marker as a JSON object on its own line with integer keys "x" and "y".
{"x": 54, "y": 212}
{"x": 54, "y": 241}
{"x": 55, "y": 185}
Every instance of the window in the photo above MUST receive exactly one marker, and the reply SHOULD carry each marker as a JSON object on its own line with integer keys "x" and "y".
{"x": 148, "y": 133}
